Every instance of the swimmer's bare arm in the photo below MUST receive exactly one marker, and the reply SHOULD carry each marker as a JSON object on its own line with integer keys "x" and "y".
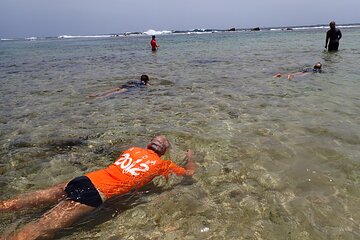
{"x": 190, "y": 165}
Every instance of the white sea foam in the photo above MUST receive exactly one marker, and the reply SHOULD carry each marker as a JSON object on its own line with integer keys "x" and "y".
{"x": 7, "y": 39}
{"x": 312, "y": 27}
{"x": 200, "y": 32}
{"x": 31, "y": 38}
{"x": 307, "y": 28}
{"x": 88, "y": 36}
{"x": 348, "y": 26}
{"x": 154, "y": 32}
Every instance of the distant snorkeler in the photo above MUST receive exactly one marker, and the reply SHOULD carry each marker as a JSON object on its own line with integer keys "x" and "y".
{"x": 315, "y": 69}
{"x": 144, "y": 81}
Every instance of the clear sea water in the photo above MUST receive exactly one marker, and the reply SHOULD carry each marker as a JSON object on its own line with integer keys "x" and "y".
{"x": 277, "y": 159}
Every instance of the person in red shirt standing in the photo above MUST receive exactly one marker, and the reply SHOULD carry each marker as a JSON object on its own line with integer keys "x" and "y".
{"x": 153, "y": 43}
{"x": 133, "y": 169}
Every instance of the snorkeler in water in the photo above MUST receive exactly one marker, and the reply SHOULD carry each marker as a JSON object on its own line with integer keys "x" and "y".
{"x": 144, "y": 81}
{"x": 133, "y": 169}
{"x": 315, "y": 69}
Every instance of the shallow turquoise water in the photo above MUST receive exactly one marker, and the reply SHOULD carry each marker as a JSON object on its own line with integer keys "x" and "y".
{"x": 277, "y": 159}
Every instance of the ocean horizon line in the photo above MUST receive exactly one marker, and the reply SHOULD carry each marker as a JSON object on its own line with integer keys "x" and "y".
{"x": 190, "y": 31}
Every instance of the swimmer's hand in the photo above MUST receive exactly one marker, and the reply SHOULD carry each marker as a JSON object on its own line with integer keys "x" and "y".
{"x": 190, "y": 164}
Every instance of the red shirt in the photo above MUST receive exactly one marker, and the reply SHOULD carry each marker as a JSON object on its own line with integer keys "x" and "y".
{"x": 133, "y": 169}
{"x": 153, "y": 44}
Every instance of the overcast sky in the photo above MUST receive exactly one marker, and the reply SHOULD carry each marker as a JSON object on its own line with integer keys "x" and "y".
{"x": 27, "y": 18}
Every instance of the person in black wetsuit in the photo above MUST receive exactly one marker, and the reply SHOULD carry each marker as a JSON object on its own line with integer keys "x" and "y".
{"x": 315, "y": 69}
{"x": 144, "y": 81}
{"x": 334, "y": 35}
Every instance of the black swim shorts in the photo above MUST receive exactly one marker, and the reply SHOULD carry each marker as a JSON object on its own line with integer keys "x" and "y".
{"x": 82, "y": 190}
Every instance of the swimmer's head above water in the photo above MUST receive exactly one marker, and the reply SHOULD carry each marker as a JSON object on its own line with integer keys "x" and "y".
{"x": 318, "y": 65}
{"x": 145, "y": 79}
{"x": 159, "y": 144}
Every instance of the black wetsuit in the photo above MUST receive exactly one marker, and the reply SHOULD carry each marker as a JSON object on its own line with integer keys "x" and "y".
{"x": 334, "y": 35}
{"x": 314, "y": 70}
{"x": 133, "y": 84}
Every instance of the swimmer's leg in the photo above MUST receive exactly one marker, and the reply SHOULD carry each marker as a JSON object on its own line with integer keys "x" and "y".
{"x": 61, "y": 216}
{"x": 49, "y": 195}
{"x": 111, "y": 93}
{"x": 108, "y": 93}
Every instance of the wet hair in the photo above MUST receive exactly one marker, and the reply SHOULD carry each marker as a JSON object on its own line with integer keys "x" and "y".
{"x": 144, "y": 78}
{"x": 318, "y": 65}
{"x": 159, "y": 146}
{"x": 153, "y": 37}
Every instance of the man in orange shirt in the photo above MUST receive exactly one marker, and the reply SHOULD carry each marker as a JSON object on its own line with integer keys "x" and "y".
{"x": 133, "y": 169}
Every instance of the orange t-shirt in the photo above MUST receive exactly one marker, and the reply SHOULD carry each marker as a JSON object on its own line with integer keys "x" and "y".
{"x": 133, "y": 169}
